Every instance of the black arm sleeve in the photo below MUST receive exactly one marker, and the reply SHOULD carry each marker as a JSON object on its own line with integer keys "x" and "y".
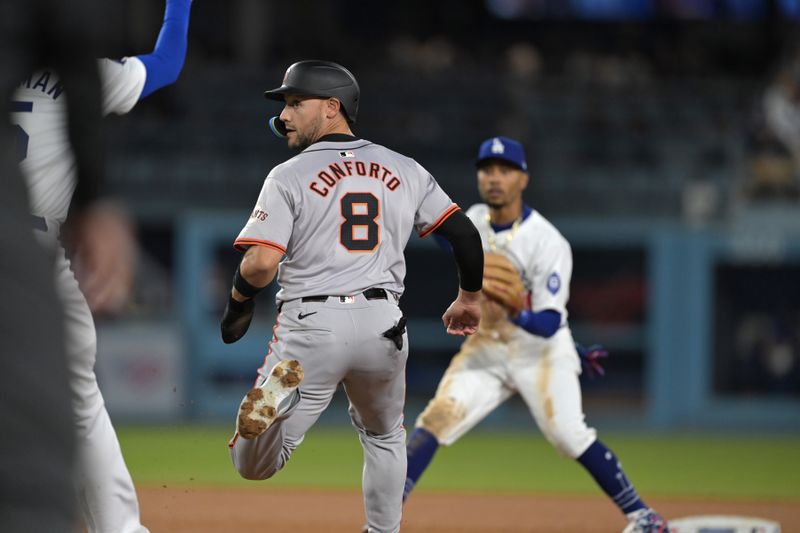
{"x": 462, "y": 235}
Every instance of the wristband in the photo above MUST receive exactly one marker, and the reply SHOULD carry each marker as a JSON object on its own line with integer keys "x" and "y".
{"x": 243, "y": 286}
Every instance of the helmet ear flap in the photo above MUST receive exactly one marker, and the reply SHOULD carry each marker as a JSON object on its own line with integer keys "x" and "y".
{"x": 277, "y": 127}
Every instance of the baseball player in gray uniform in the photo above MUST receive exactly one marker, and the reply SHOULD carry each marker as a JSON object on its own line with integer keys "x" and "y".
{"x": 339, "y": 214}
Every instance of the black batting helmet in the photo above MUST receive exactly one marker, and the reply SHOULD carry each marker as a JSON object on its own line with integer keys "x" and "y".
{"x": 320, "y": 78}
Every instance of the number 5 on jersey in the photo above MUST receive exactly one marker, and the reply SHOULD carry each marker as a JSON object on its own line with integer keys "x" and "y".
{"x": 360, "y": 232}
{"x": 22, "y": 135}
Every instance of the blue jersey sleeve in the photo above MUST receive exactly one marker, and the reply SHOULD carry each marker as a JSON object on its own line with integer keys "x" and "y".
{"x": 164, "y": 64}
{"x": 542, "y": 323}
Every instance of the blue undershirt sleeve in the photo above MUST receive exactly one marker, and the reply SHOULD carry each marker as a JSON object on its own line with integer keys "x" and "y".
{"x": 164, "y": 64}
{"x": 542, "y": 323}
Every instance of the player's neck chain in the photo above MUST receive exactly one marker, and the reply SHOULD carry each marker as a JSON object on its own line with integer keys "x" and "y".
{"x": 491, "y": 237}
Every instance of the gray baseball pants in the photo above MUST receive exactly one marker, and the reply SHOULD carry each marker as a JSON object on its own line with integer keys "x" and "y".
{"x": 340, "y": 341}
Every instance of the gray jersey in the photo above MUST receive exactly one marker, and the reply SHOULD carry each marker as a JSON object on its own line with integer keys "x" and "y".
{"x": 342, "y": 212}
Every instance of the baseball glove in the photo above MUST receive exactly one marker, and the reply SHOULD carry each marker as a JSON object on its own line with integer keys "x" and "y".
{"x": 502, "y": 283}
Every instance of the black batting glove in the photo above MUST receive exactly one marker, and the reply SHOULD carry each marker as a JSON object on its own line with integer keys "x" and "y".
{"x": 236, "y": 319}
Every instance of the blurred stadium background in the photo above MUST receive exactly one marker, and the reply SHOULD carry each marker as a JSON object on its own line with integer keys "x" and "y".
{"x": 664, "y": 140}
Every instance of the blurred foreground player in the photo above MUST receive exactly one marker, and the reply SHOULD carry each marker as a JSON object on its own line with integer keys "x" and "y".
{"x": 105, "y": 489}
{"x": 37, "y": 430}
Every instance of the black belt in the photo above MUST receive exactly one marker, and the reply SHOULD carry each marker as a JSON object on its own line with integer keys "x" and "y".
{"x": 369, "y": 294}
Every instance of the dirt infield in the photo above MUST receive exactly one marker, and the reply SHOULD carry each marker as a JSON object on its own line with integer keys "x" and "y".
{"x": 223, "y": 510}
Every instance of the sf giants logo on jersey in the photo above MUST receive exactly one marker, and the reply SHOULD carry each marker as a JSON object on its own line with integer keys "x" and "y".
{"x": 258, "y": 214}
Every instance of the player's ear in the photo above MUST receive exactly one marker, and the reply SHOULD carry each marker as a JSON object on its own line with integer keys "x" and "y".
{"x": 524, "y": 180}
{"x": 332, "y": 107}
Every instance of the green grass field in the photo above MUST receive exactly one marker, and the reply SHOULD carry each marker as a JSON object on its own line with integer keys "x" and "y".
{"x": 684, "y": 465}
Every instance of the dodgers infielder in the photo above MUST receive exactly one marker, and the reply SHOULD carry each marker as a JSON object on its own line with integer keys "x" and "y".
{"x": 105, "y": 489}
{"x": 340, "y": 214}
{"x": 533, "y": 354}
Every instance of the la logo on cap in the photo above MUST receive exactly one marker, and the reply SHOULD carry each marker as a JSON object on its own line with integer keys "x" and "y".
{"x": 497, "y": 146}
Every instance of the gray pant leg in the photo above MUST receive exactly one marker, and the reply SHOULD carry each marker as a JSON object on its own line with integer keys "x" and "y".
{"x": 383, "y": 478}
{"x": 264, "y": 456}
{"x": 376, "y": 389}
{"x": 341, "y": 342}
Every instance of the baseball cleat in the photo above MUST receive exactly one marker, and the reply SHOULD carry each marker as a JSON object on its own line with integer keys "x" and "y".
{"x": 646, "y": 521}
{"x": 266, "y": 403}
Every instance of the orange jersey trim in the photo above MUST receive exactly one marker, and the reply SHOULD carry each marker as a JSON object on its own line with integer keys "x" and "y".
{"x": 439, "y": 221}
{"x": 240, "y": 244}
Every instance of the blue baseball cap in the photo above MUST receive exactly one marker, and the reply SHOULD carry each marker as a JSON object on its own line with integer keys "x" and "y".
{"x": 504, "y": 149}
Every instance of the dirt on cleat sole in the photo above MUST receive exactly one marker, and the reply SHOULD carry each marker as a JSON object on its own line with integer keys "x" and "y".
{"x": 259, "y": 408}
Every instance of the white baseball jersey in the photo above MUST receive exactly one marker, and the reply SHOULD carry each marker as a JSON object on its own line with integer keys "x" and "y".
{"x": 39, "y": 111}
{"x": 538, "y": 249}
{"x": 108, "y": 497}
{"x": 342, "y": 212}
{"x": 502, "y": 358}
